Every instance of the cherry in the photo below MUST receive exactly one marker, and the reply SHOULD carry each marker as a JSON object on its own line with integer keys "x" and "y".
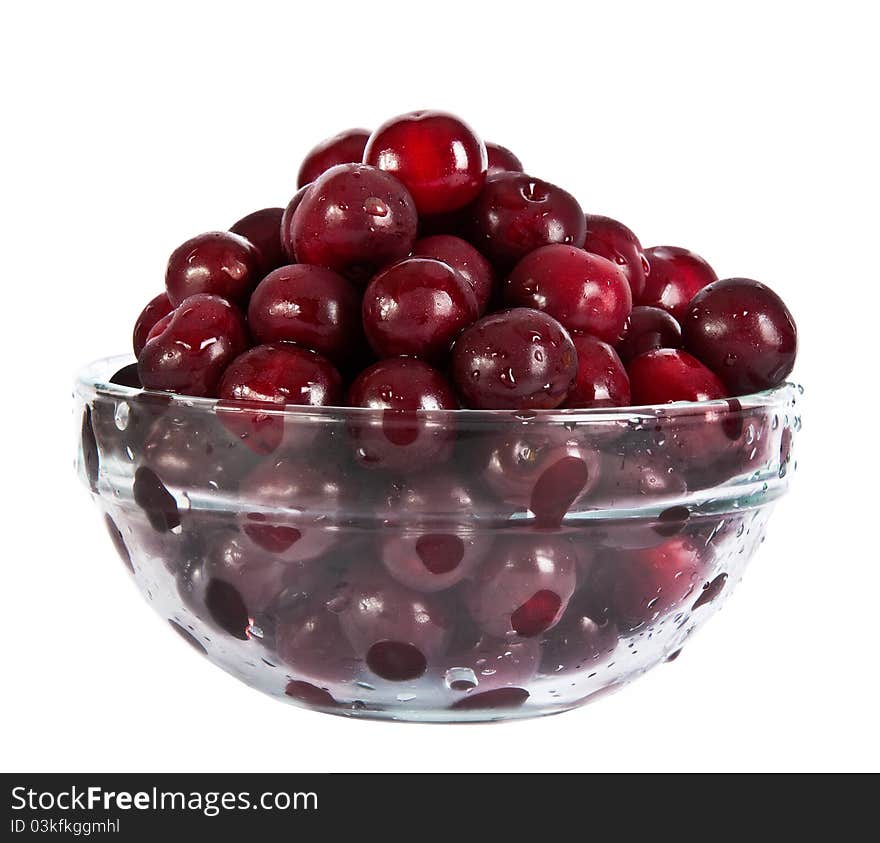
{"x": 519, "y": 359}
{"x": 158, "y": 504}
{"x": 515, "y": 214}
{"x": 675, "y": 277}
{"x": 312, "y": 644}
{"x": 501, "y": 160}
{"x": 435, "y": 155}
{"x": 190, "y": 351}
{"x": 354, "y": 219}
{"x": 345, "y": 148}
{"x": 648, "y": 328}
{"x": 429, "y": 541}
{"x": 742, "y": 331}
{"x": 309, "y": 305}
{"x": 613, "y": 240}
{"x": 402, "y": 435}
{"x": 601, "y": 379}
{"x": 263, "y": 229}
{"x": 417, "y": 307}
{"x": 579, "y": 643}
{"x": 291, "y": 509}
{"x": 585, "y": 292}
{"x": 524, "y": 588}
{"x": 155, "y": 310}
{"x": 464, "y": 258}
{"x": 220, "y": 263}
{"x": 398, "y": 632}
{"x": 287, "y": 220}
{"x": 668, "y": 374}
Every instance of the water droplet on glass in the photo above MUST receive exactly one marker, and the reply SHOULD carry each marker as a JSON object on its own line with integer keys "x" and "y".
{"x": 121, "y": 415}
{"x": 460, "y": 679}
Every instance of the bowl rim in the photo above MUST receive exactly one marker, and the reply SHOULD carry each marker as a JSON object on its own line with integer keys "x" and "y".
{"x": 94, "y": 378}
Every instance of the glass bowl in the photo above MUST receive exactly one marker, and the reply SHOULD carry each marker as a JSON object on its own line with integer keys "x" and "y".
{"x": 433, "y": 566}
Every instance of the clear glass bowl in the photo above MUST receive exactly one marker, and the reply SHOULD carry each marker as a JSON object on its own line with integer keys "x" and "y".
{"x": 434, "y": 566}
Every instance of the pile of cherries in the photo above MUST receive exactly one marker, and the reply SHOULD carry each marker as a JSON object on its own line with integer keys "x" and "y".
{"x": 419, "y": 268}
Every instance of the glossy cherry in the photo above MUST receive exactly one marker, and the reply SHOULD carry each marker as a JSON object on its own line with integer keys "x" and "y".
{"x": 354, "y": 219}
{"x": 520, "y": 359}
{"x": 464, "y": 258}
{"x": 585, "y": 292}
{"x": 613, "y": 240}
{"x": 287, "y": 220}
{"x": 263, "y": 229}
{"x": 515, "y": 214}
{"x": 676, "y": 276}
{"x": 601, "y": 378}
{"x": 220, "y": 263}
{"x": 345, "y": 148}
{"x": 525, "y": 587}
{"x": 417, "y": 307}
{"x": 742, "y": 331}
{"x": 502, "y": 160}
{"x": 648, "y": 328}
{"x": 666, "y": 374}
{"x": 401, "y": 433}
{"x": 311, "y": 306}
{"x": 435, "y": 155}
{"x": 156, "y": 309}
{"x": 193, "y": 347}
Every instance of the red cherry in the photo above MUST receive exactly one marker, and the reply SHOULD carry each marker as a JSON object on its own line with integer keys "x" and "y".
{"x": 743, "y": 332}
{"x": 516, "y": 214}
{"x": 648, "y": 328}
{"x": 519, "y": 359}
{"x": 675, "y": 277}
{"x": 666, "y": 375}
{"x": 525, "y": 587}
{"x": 198, "y": 341}
{"x": 309, "y": 305}
{"x": 402, "y": 435}
{"x": 429, "y": 541}
{"x": 287, "y": 221}
{"x": 585, "y": 292}
{"x": 502, "y": 160}
{"x": 613, "y": 240}
{"x": 345, "y": 148}
{"x": 220, "y": 263}
{"x": 157, "y": 308}
{"x": 601, "y": 379}
{"x": 354, "y": 219}
{"x": 435, "y": 155}
{"x": 417, "y": 307}
{"x": 464, "y": 258}
{"x": 263, "y": 229}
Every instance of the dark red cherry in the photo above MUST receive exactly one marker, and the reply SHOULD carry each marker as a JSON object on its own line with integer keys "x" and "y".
{"x": 220, "y": 263}
{"x": 435, "y": 155}
{"x": 274, "y": 375}
{"x": 429, "y": 541}
{"x": 397, "y": 631}
{"x": 675, "y": 277}
{"x": 525, "y": 586}
{"x": 648, "y": 328}
{"x": 263, "y": 229}
{"x": 613, "y": 240}
{"x": 287, "y": 221}
{"x": 354, "y": 219}
{"x": 516, "y": 214}
{"x": 502, "y": 160}
{"x": 585, "y": 292}
{"x": 417, "y": 307}
{"x": 158, "y": 504}
{"x": 743, "y": 332}
{"x": 158, "y": 308}
{"x": 311, "y": 643}
{"x": 311, "y": 306}
{"x": 601, "y": 379}
{"x": 345, "y": 148}
{"x": 464, "y": 258}
{"x": 519, "y": 359}
{"x": 401, "y": 434}
{"x": 198, "y": 341}
{"x": 216, "y": 601}
{"x": 667, "y": 374}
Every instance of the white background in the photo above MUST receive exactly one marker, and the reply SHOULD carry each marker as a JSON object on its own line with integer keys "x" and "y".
{"x": 744, "y": 131}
